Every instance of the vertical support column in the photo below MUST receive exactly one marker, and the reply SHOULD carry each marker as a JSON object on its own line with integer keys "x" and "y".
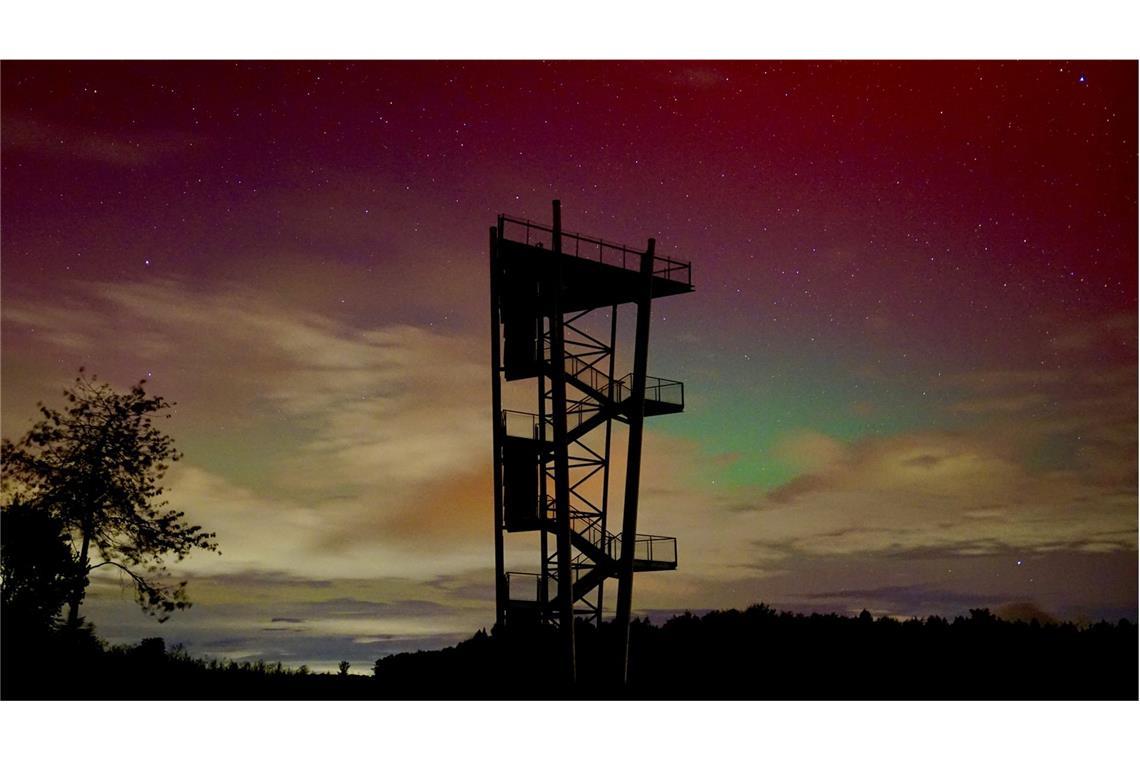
{"x": 636, "y": 415}
{"x": 497, "y": 435}
{"x": 557, "y": 368}
{"x": 544, "y": 520}
{"x": 606, "y": 471}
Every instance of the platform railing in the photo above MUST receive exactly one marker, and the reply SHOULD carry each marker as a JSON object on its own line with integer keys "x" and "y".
{"x": 596, "y": 249}
{"x": 656, "y": 389}
{"x": 521, "y": 424}
{"x": 589, "y": 526}
{"x": 587, "y": 373}
{"x": 523, "y": 587}
{"x": 526, "y": 424}
{"x": 579, "y": 368}
{"x": 647, "y": 548}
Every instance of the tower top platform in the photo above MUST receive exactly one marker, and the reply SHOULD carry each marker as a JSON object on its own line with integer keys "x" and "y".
{"x": 595, "y": 272}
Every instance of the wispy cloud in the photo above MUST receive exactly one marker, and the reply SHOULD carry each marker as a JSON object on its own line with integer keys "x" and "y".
{"x": 384, "y": 473}
{"x": 367, "y": 524}
{"x": 937, "y": 489}
{"x": 53, "y": 139}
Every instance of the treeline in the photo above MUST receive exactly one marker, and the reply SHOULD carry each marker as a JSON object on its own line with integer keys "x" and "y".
{"x": 755, "y": 654}
{"x": 69, "y": 664}
{"x": 763, "y": 654}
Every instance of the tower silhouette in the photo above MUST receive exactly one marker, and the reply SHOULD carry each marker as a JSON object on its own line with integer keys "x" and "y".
{"x": 552, "y": 465}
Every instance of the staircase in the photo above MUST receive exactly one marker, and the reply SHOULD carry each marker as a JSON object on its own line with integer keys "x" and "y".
{"x": 598, "y": 554}
{"x": 598, "y": 551}
{"x": 661, "y": 396}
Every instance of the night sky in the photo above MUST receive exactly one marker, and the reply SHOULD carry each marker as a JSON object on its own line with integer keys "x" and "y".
{"x": 910, "y": 359}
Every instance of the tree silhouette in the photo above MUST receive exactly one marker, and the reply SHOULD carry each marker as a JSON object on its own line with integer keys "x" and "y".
{"x": 37, "y": 567}
{"x": 342, "y": 668}
{"x": 95, "y": 467}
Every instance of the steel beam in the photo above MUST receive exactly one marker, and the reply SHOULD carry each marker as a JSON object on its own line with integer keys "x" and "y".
{"x": 557, "y": 368}
{"x": 636, "y": 416}
{"x": 501, "y": 591}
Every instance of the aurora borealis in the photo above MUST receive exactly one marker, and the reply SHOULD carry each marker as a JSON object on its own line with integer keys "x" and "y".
{"x": 910, "y": 360}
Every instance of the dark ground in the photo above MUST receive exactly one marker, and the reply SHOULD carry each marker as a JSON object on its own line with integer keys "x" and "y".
{"x": 755, "y": 654}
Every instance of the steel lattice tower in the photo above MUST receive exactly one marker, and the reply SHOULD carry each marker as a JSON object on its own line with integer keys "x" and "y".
{"x": 552, "y": 465}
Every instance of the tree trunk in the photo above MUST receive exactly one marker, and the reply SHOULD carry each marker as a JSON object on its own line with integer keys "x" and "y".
{"x": 80, "y": 589}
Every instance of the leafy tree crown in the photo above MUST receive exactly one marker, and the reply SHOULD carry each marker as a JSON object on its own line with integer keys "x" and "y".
{"x": 97, "y": 465}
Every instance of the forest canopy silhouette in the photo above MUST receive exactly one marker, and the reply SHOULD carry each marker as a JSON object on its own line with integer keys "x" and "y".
{"x": 757, "y": 653}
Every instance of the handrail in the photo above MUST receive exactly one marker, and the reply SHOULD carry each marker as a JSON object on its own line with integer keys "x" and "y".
{"x": 656, "y": 389}
{"x": 598, "y": 380}
{"x": 589, "y": 526}
{"x": 537, "y": 583}
{"x": 517, "y": 424}
{"x": 647, "y": 547}
{"x": 620, "y": 255}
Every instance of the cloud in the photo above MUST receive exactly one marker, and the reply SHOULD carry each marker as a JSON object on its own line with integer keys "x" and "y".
{"x": 386, "y": 422}
{"x": 1113, "y": 334}
{"x": 345, "y": 466}
{"x": 55, "y": 140}
{"x": 1014, "y": 403}
{"x": 811, "y": 450}
{"x": 961, "y": 493}
{"x": 905, "y": 595}
{"x": 698, "y": 77}
{"x": 1003, "y": 379}
{"x": 1024, "y": 612}
{"x": 274, "y": 616}
{"x": 321, "y": 453}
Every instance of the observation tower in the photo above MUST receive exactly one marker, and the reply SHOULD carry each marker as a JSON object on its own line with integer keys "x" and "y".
{"x": 551, "y": 291}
